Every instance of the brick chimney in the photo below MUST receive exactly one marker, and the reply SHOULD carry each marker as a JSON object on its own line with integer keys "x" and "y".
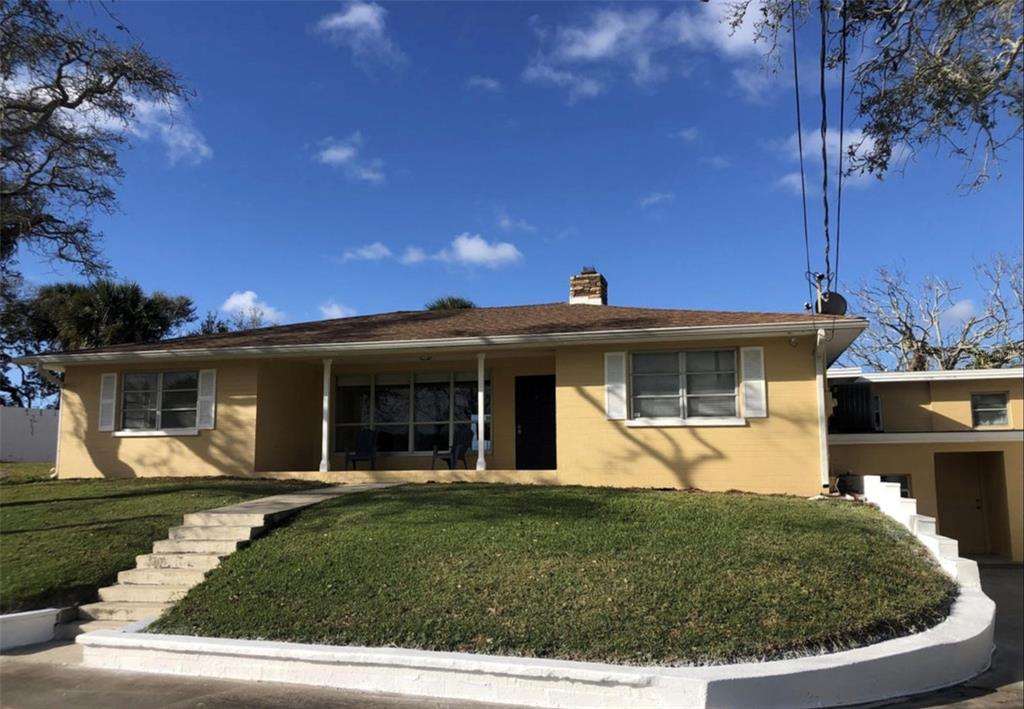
{"x": 588, "y": 287}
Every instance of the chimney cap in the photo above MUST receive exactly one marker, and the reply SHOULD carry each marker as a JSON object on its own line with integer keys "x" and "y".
{"x": 588, "y": 269}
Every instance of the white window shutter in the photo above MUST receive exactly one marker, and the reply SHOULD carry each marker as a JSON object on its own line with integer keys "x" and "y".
{"x": 108, "y": 401}
{"x": 755, "y": 404}
{"x": 206, "y": 417}
{"x": 615, "y": 386}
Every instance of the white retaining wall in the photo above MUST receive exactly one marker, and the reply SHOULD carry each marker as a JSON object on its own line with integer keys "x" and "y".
{"x": 954, "y": 651}
{"x": 28, "y": 628}
{"x": 28, "y": 435}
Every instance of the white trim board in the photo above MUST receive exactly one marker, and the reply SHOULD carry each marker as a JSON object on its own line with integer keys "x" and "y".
{"x": 931, "y": 376}
{"x": 849, "y": 439}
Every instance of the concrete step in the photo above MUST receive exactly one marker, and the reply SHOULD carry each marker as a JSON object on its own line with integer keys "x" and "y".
{"x": 163, "y": 577}
{"x": 195, "y": 546}
{"x": 923, "y": 524}
{"x": 121, "y": 611}
{"x": 967, "y": 573}
{"x": 943, "y": 548}
{"x": 144, "y": 593}
{"x": 224, "y": 519}
{"x": 70, "y": 631}
{"x": 202, "y": 562}
{"x": 212, "y": 532}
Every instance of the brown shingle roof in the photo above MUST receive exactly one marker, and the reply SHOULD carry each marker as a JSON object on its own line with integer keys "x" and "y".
{"x": 475, "y": 322}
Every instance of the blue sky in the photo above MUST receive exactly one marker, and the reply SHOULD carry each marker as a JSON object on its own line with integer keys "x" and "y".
{"x": 357, "y": 158}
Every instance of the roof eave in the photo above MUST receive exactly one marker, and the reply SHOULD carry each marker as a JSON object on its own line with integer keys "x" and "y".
{"x": 845, "y": 332}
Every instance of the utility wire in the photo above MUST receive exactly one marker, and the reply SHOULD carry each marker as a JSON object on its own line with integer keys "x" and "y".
{"x": 823, "y": 17}
{"x": 842, "y": 147}
{"x": 800, "y": 146}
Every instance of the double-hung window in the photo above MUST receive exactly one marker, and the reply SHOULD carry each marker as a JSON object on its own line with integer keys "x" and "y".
{"x": 411, "y": 413}
{"x": 160, "y": 401}
{"x": 684, "y": 385}
{"x": 989, "y": 410}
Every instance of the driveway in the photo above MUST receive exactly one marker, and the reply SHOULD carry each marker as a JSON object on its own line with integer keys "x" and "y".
{"x": 1002, "y": 686}
{"x": 48, "y": 676}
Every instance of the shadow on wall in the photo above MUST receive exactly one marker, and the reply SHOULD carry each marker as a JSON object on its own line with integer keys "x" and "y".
{"x": 683, "y": 462}
{"x": 210, "y": 452}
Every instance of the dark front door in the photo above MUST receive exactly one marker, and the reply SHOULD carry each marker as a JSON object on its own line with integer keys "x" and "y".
{"x": 535, "y": 423}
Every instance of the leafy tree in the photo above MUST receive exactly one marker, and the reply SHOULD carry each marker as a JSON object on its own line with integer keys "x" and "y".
{"x": 70, "y": 316}
{"x": 211, "y": 324}
{"x": 932, "y": 327}
{"x": 450, "y": 302}
{"x": 923, "y": 72}
{"x": 67, "y": 97}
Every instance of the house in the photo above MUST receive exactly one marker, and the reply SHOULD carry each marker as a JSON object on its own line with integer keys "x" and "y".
{"x": 580, "y": 392}
{"x": 952, "y": 439}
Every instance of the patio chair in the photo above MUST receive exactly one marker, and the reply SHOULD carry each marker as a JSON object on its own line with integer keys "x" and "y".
{"x": 461, "y": 445}
{"x": 365, "y": 449}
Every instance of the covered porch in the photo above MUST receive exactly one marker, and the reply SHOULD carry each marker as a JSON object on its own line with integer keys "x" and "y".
{"x": 409, "y": 405}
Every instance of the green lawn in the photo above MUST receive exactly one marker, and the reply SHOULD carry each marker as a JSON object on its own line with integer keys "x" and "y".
{"x": 25, "y": 472}
{"x": 621, "y": 576}
{"x": 61, "y": 540}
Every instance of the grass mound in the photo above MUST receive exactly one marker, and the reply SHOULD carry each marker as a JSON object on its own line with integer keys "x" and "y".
{"x": 622, "y": 576}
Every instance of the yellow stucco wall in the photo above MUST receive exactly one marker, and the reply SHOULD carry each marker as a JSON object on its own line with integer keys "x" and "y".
{"x": 918, "y": 461}
{"x": 942, "y": 405}
{"x": 777, "y": 454}
{"x": 86, "y": 452}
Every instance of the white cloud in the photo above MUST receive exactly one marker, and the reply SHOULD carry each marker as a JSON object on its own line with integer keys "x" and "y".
{"x": 362, "y": 27}
{"x": 486, "y": 83}
{"x": 853, "y": 139}
{"x": 168, "y": 122}
{"x": 345, "y": 154}
{"x": 413, "y": 254}
{"x": 719, "y": 162}
{"x": 473, "y": 250}
{"x": 687, "y": 135}
{"x": 959, "y": 313}
{"x": 644, "y": 44}
{"x": 656, "y": 198}
{"x": 507, "y": 223}
{"x": 248, "y": 303}
{"x": 332, "y": 310}
{"x": 578, "y": 86}
{"x": 376, "y": 251}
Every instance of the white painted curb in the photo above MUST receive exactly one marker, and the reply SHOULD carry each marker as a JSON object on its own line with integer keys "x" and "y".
{"x": 952, "y": 652}
{"x": 28, "y": 628}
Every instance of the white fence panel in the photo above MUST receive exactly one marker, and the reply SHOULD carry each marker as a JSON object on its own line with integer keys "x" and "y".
{"x": 28, "y": 435}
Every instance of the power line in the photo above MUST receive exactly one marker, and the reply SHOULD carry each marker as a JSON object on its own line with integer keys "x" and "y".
{"x": 842, "y": 127}
{"x": 823, "y": 18}
{"x": 800, "y": 146}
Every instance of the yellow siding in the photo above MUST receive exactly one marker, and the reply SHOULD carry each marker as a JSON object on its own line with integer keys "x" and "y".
{"x": 951, "y": 402}
{"x": 777, "y": 454}
{"x": 906, "y": 406}
{"x": 918, "y": 461}
{"x": 87, "y": 452}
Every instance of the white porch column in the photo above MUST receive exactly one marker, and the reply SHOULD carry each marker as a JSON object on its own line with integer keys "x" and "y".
{"x": 481, "y": 459}
{"x": 325, "y": 432}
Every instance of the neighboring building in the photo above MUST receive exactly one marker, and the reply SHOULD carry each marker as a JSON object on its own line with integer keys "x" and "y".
{"x": 28, "y": 435}
{"x": 572, "y": 393}
{"x": 953, "y": 439}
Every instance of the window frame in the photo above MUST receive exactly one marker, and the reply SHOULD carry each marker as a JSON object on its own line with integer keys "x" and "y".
{"x": 684, "y": 419}
{"x": 1005, "y": 409}
{"x": 158, "y": 428}
{"x": 453, "y": 377}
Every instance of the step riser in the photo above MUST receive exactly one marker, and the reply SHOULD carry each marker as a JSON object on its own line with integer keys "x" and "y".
{"x": 169, "y": 577}
{"x": 200, "y": 562}
{"x": 215, "y": 532}
{"x": 135, "y": 593}
{"x": 179, "y": 546}
{"x": 217, "y": 519}
{"x": 70, "y": 631}
{"x": 126, "y": 612}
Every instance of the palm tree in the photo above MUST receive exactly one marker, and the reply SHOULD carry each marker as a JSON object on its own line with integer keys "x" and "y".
{"x": 450, "y": 302}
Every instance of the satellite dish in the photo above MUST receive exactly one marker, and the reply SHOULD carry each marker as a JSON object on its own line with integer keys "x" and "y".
{"x": 831, "y": 304}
